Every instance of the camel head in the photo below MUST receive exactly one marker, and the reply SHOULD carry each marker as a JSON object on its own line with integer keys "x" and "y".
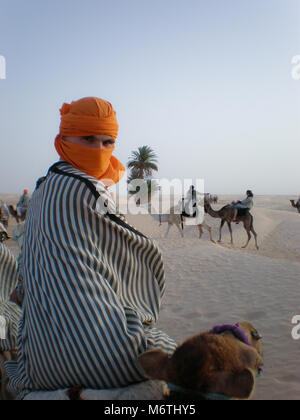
{"x": 209, "y": 363}
{"x": 296, "y": 205}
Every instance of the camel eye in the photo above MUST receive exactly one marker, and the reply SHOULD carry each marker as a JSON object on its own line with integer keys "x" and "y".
{"x": 256, "y": 335}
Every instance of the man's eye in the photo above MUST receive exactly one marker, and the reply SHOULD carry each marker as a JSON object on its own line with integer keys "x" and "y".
{"x": 89, "y": 138}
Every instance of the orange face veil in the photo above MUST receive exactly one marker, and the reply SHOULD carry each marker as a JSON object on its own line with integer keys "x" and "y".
{"x": 98, "y": 163}
{"x": 87, "y": 117}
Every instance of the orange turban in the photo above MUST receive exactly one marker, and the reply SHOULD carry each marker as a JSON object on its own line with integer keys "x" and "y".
{"x": 88, "y": 116}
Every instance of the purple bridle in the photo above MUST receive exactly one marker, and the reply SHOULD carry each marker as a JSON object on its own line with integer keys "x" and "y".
{"x": 235, "y": 329}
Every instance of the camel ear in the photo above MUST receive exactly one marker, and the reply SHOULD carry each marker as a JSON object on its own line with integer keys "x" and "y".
{"x": 154, "y": 363}
{"x": 238, "y": 385}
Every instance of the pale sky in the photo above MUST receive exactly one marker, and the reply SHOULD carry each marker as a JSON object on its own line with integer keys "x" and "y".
{"x": 206, "y": 83}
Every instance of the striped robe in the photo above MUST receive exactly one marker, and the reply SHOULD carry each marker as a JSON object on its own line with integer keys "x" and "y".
{"x": 92, "y": 290}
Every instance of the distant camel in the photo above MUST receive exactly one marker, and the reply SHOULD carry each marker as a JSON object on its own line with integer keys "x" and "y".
{"x": 226, "y": 214}
{"x": 296, "y": 205}
{"x": 14, "y": 214}
{"x": 173, "y": 218}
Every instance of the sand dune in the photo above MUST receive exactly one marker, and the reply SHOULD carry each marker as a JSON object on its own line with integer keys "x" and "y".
{"x": 209, "y": 284}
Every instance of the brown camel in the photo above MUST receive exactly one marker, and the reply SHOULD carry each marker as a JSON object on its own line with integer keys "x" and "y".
{"x": 296, "y": 205}
{"x": 211, "y": 365}
{"x": 226, "y": 214}
{"x": 14, "y": 214}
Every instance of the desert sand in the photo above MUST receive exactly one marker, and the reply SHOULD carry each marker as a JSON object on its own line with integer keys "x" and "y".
{"x": 209, "y": 284}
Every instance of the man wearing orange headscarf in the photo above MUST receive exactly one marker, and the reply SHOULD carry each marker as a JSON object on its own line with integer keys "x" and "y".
{"x": 92, "y": 283}
{"x": 87, "y": 137}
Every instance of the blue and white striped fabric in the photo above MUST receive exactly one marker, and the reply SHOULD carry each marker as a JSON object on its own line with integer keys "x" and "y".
{"x": 93, "y": 290}
{"x": 9, "y": 311}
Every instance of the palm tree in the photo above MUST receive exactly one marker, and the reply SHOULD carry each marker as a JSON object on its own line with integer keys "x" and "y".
{"x": 142, "y": 163}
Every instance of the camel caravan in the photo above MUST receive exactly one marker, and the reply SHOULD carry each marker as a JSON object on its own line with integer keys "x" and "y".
{"x": 18, "y": 212}
{"x": 231, "y": 213}
{"x": 12, "y": 212}
{"x": 4, "y": 221}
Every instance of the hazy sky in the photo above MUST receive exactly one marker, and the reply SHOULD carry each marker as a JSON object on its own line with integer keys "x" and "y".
{"x": 206, "y": 83}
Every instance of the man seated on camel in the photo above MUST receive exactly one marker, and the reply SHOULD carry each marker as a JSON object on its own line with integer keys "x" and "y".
{"x": 247, "y": 203}
{"x": 92, "y": 283}
{"x": 190, "y": 202}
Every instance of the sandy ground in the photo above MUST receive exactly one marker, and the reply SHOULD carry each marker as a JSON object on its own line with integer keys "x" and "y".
{"x": 208, "y": 284}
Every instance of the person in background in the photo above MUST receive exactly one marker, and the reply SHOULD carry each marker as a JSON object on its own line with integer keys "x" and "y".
{"x": 23, "y": 204}
{"x": 247, "y": 203}
{"x": 189, "y": 203}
